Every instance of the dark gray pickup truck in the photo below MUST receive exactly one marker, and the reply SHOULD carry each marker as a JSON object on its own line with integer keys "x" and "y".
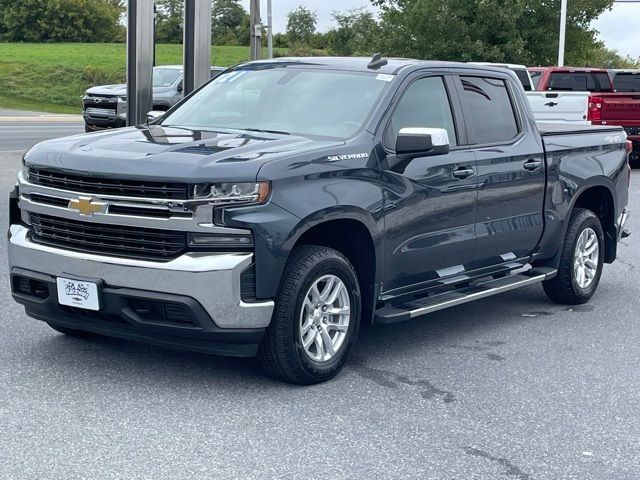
{"x": 286, "y": 202}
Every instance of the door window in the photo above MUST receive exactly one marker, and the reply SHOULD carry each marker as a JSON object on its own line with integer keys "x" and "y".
{"x": 488, "y": 110}
{"x": 424, "y": 104}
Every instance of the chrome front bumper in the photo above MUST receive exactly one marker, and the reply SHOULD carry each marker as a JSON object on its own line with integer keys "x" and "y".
{"x": 213, "y": 280}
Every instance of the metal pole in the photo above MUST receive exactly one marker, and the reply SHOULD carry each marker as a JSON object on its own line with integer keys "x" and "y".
{"x": 197, "y": 44}
{"x": 270, "y": 30}
{"x": 563, "y": 32}
{"x": 139, "y": 60}
{"x": 256, "y": 30}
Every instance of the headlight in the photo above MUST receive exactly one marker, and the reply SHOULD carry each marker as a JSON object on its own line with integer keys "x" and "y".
{"x": 122, "y": 99}
{"x": 232, "y": 193}
{"x": 25, "y": 173}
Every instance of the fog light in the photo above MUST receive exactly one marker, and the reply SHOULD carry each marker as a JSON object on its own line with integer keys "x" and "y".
{"x": 208, "y": 241}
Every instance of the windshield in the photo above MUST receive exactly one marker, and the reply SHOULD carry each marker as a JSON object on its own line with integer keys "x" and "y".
{"x": 627, "y": 82}
{"x": 284, "y": 99}
{"x": 164, "y": 77}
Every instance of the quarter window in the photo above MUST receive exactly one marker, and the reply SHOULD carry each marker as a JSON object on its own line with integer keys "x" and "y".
{"x": 425, "y": 104}
{"x": 488, "y": 110}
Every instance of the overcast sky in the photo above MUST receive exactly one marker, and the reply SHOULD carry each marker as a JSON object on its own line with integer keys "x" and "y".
{"x": 618, "y": 28}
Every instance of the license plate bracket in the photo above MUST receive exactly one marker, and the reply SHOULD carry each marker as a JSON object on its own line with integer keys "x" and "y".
{"x": 78, "y": 293}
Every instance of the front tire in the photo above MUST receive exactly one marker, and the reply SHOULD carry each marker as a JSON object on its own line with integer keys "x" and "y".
{"x": 581, "y": 260}
{"x": 316, "y": 319}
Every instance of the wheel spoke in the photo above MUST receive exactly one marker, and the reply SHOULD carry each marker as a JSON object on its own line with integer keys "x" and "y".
{"x": 591, "y": 249}
{"x": 308, "y": 340}
{"x": 326, "y": 339}
{"x": 337, "y": 326}
{"x": 338, "y": 310}
{"x": 337, "y": 289}
{"x": 319, "y": 346}
{"x": 326, "y": 291}
{"x": 590, "y": 264}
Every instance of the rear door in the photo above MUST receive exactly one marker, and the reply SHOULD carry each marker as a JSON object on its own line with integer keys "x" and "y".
{"x": 430, "y": 207}
{"x": 511, "y": 168}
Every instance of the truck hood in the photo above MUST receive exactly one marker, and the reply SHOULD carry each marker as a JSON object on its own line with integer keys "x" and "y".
{"x": 119, "y": 89}
{"x": 180, "y": 154}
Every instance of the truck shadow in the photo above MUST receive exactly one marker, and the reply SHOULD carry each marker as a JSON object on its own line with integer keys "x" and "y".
{"x": 103, "y": 359}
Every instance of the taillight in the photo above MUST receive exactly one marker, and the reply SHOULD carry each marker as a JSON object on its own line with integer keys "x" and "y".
{"x": 594, "y": 113}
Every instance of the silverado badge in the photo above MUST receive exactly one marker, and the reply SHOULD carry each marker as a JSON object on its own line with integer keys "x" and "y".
{"x": 87, "y": 206}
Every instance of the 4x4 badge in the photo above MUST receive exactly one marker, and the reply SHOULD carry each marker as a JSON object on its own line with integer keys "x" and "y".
{"x": 87, "y": 206}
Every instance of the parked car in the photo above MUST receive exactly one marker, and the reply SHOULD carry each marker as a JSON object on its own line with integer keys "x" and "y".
{"x": 583, "y": 95}
{"x": 106, "y": 106}
{"x": 273, "y": 211}
{"x": 625, "y": 80}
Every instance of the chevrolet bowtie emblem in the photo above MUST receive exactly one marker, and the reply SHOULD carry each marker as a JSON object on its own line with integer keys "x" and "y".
{"x": 86, "y": 205}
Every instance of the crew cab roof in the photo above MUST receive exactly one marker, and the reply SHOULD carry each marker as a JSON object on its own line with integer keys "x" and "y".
{"x": 393, "y": 66}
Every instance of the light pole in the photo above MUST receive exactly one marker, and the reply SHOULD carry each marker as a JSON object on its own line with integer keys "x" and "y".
{"x": 563, "y": 32}
{"x": 270, "y": 30}
{"x": 256, "y": 30}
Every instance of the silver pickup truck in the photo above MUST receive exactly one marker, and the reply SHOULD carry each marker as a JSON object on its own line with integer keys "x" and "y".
{"x": 105, "y": 106}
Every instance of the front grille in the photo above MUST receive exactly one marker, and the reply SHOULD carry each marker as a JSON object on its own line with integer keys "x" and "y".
{"x": 102, "y": 112}
{"x": 103, "y": 239}
{"x": 109, "y": 186}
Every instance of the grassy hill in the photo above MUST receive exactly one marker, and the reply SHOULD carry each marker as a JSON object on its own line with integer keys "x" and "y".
{"x": 52, "y": 77}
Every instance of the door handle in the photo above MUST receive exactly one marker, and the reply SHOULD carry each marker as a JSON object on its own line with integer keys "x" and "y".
{"x": 463, "y": 172}
{"x": 532, "y": 165}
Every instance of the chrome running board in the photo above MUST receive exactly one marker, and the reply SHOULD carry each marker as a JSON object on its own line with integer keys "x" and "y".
{"x": 476, "y": 291}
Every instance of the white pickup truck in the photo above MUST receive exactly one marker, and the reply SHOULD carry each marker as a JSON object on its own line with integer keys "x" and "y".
{"x": 551, "y": 107}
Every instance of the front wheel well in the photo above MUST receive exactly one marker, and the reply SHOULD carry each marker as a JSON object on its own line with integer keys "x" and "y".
{"x": 353, "y": 240}
{"x": 600, "y": 201}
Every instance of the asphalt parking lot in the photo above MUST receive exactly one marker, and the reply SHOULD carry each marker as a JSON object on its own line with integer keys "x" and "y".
{"x": 512, "y": 387}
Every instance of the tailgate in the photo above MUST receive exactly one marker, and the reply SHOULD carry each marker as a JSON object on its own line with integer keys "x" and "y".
{"x": 560, "y": 107}
{"x": 622, "y": 109}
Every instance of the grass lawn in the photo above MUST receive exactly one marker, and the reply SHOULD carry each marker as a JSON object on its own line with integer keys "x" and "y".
{"x": 52, "y": 77}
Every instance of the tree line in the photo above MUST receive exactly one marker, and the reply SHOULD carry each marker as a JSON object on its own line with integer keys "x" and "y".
{"x": 517, "y": 31}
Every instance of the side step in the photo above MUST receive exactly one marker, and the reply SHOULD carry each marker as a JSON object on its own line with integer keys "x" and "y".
{"x": 477, "y": 291}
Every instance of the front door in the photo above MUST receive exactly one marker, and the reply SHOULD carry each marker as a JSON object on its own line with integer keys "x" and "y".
{"x": 430, "y": 207}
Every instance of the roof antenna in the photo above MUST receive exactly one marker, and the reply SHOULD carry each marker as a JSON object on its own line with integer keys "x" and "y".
{"x": 377, "y": 61}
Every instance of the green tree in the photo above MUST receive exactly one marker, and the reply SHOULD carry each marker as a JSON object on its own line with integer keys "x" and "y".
{"x": 169, "y": 21}
{"x": 301, "y": 26}
{"x": 518, "y": 31}
{"x": 229, "y": 23}
{"x": 60, "y": 20}
{"x": 357, "y": 33}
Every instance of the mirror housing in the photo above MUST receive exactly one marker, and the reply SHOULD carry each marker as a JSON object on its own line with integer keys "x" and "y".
{"x": 154, "y": 115}
{"x": 413, "y": 142}
{"x": 180, "y": 87}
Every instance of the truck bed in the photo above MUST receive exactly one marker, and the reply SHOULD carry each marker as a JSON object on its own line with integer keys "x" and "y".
{"x": 551, "y": 129}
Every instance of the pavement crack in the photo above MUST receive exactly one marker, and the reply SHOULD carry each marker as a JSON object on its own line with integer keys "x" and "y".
{"x": 388, "y": 379}
{"x": 511, "y": 469}
{"x": 624, "y": 262}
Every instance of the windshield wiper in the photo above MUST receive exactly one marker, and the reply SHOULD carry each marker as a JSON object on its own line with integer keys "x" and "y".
{"x": 264, "y": 130}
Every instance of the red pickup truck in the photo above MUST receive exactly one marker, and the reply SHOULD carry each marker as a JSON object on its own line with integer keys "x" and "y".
{"x": 614, "y": 99}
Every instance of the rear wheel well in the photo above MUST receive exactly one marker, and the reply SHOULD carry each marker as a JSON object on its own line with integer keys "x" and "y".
{"x": 600, "y": 201}
{"x": 353, "y": 240}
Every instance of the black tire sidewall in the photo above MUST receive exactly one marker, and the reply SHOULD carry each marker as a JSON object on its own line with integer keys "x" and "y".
{"x": 342, "y": 269}
{"x": 589, "y": 222}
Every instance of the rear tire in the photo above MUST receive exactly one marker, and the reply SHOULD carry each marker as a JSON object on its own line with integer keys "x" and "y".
{"x": 72, "y": 332}
{"x": 316, "y": 318}
{"x": 578, "y": 274}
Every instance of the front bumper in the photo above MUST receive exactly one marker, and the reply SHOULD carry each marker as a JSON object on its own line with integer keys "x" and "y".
{"x": 207, "y": 284}
{"x": 100, "y": 123}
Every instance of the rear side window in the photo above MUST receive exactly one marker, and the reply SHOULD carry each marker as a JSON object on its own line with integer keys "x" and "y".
{"x": 626, "y": 82}
{"x": 579, "y": 82}
{"x": 488, "y": 110}
{"x": 523, "y": 75}
{"x": 425, "y": 103}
